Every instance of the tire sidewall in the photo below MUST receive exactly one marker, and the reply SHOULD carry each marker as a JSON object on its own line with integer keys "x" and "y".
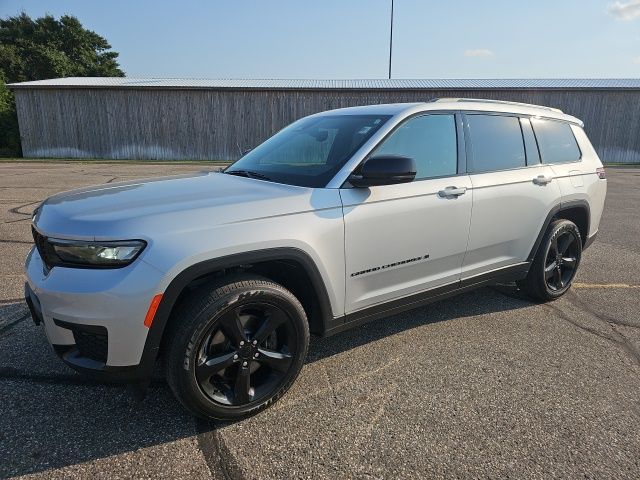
{"x": 209, "y": 317}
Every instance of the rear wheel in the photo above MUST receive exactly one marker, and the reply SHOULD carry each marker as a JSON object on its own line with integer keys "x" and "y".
{"x": 236, "y": 347}
{"x": 556, "y": 262}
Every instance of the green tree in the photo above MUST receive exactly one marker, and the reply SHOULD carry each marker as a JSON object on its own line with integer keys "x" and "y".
{"x": 9, "y": 133}
{"x": 46, "y": 48}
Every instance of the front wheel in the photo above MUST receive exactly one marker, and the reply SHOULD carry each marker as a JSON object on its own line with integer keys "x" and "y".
{"x": 236, "y": 347}
{"x": 556, "y": 262}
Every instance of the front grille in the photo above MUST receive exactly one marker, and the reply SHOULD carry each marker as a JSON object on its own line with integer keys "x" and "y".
{"x": 92, "y": 345}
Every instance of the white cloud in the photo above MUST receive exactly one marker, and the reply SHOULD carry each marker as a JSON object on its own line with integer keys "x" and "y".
{"x": 478, "y": 52}
{"x": 625, "y": 11}
{"x": 636, "y": 60}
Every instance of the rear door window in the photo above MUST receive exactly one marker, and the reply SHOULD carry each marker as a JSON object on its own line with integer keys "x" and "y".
{"x": 496, "y": 143}
{"x": 556, "y": 141}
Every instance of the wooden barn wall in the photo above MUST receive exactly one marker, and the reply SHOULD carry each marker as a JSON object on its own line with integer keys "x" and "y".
{"x": 219, "y": 124}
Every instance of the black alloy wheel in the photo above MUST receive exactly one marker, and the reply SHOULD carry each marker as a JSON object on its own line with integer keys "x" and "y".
{"x": 246, "y": 354}
{"x": 562, "y": 260}
{"x": 555, "y": 263}
{"x": 235, "y": 346}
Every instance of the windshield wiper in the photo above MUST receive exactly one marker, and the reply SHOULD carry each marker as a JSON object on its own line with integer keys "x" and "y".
{"x": 248, "y": 174}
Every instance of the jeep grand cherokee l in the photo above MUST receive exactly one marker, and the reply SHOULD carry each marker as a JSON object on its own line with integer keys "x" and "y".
{"x": 342, "y": 217}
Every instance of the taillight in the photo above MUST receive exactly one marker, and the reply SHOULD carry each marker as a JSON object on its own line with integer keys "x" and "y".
{"x": 600, "y": 172}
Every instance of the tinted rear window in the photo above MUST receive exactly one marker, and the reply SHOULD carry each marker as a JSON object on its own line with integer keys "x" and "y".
{"x": 556, "y": 141}
{"x": 496, "y": 143}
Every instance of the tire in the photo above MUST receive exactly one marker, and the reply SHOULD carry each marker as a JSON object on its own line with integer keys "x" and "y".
{"x": 552, "y": 271}
{"x": 210, "y": 371}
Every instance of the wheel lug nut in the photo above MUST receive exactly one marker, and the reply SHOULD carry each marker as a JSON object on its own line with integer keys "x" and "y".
{"x": 244, "y": 364}
{"x": 255, "y": 342}
{"x": 235, "y": 357}
{"x": 256, "y": 355}
{"x": 241, "y": 342}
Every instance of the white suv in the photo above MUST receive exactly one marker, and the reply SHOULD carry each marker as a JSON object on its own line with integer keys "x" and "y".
{"x": 340, "y": 218}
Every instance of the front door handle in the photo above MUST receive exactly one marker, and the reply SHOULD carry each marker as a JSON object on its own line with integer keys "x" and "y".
{"x": 542, "y": 180}
{"x": 452, "y": 192}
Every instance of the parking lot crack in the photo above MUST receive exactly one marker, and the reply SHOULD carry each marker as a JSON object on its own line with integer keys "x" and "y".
{"x": 573, "y": 298}
{"x": 19, "y": 220}
{"x": 614, "y": 337}
{"x": 11, "y": 301}
{"x": 334, "y": 395}
{"x": 14, "y": 374}
{"x": 16, "y": 210}
{"x": 10, "y": 373}
{"x": 16, "y": 241}
{"x": 10, "y": 325}
{"x": 386, "y": 394}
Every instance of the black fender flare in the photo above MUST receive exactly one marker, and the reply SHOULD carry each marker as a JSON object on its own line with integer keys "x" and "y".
{"x": 184, "y": 278}
{"x": 552, "y": 213}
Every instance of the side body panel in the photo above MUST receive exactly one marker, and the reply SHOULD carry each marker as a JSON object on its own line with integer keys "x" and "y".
{"x": 509, "y": 210}
{"x": 402, "y": 239}
{"x": 318, "y": 231}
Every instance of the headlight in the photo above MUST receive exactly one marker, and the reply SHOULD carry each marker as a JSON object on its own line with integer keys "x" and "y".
{"x": 94, "y": 254}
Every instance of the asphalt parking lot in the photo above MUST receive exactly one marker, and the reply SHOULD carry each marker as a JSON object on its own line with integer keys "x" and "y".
{"x": 487, "y": 384}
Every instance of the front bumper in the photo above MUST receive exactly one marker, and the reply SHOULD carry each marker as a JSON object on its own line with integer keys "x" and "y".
{"x": 94, "y": 319}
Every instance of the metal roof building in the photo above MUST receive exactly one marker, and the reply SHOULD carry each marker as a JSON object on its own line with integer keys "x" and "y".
{"x": 200, "y": 119}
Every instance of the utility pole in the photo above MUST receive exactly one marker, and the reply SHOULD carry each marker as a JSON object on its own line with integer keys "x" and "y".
{"x": 391, "y": 40}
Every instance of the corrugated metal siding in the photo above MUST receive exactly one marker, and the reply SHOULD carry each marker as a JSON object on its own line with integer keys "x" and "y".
{"x": 359, "y": 84}
{"x": 212, "y": 124}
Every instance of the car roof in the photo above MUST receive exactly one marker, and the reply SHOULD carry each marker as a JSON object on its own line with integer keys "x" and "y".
{"x": 380, "y": 109}
{"x": 466, "y": 104}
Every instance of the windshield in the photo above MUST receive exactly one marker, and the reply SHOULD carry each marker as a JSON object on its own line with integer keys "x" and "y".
{"x": 309, "y": 152}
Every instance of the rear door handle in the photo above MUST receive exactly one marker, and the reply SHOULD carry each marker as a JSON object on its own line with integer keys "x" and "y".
{"x": 452, "y": 192}
{"x": 542, "y": 180}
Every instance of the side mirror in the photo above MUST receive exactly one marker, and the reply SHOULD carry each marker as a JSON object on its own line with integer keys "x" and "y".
{"x": 384, "y": 170}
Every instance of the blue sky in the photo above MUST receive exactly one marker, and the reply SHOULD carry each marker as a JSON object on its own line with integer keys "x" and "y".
{"x": 349, "y": 38}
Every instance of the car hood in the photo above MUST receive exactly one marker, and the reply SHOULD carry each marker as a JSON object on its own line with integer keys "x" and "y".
{"x": 136, "y": 209}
